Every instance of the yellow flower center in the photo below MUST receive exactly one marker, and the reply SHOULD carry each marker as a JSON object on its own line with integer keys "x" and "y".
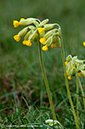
{"x": 69, "y": 77}
{"x": 79, "y": 74}
{"x": 42, "y": 41}
{"x": 84, "y": 44}
{"x": 66, "y": 63}
{"x": 17, "y": 38}
{"x": 45, "y": 48}
{"x": 41, "y": 30}
{"x": 53, "y": 45}
{"x": 16, "y": 23}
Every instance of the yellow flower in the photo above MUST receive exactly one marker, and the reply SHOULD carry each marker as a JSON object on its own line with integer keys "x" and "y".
{"x": 69, "y": 77}
{"x": 53, "y": 45}
{"x": 41, "y": 30}
{"x": 45, "y": 48}
{"x": 27, "y": 42}
{"x": 17, "y": 38}
{"x": 16, "y": 23}
{"x": 84, "y": 44}
{"x": 79, "y": 74}
{"x": 66, "y": 63}
{"x": 42, "y": 40}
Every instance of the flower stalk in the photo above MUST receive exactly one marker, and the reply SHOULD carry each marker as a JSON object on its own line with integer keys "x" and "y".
{"x": 77, "y": 98}
{"x": 46, "y": 83}
{"x": 82, "y": 92}
{"x": 67, "y": 86}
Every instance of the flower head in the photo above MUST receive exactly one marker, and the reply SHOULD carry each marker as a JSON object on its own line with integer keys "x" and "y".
{"x": 37, "y": 30}
{"x": 74, "y": 66}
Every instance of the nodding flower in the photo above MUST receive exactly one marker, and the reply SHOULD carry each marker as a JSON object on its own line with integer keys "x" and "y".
{"x": 74, "y": 66}
{"x": 37, "y": 30}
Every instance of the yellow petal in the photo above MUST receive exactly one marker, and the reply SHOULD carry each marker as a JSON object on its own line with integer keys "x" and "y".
{"x": 16, "y": 23}
{"x": 17, "y": 38}
{"x": 69, "y": 77}
{"x": 45, "y": 48}
{"x": 42, "y": 40}
{"x": 41, "y": 30}
{"x": 24, "y": 42}
{"x": 28, "y": 43}
{"x": 66, "y": 63}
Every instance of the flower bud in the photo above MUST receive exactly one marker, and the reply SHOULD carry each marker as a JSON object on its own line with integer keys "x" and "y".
{"x": 49, "y": 33}
{"x": 49, "y": 41}
{"x": 58, "y": 41}
{"x": 53, "y": 45}
{"x": 68, "y": 58}
{"x": 27, "y": 21}
{"x": 43, "y": 22}
{"x": 36, "y": 23}
{"x": 33, "y": 35}
{"x": 28, "y": 34}
{"x": 23, "y": 32}
{"x": 49, "y": 26}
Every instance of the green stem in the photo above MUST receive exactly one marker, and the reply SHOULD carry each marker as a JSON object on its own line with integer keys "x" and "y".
{"x": 46, "y": 83}
{"x": 67, "y": 86}
{"x": 82, "y": 91}
{"x": 77, "y": 91}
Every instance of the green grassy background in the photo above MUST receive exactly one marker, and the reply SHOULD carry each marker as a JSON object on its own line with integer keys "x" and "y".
{"x": 20, "y": 72}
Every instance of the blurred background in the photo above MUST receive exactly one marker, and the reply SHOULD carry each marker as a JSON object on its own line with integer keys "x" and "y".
{"x": 20, "y": 70}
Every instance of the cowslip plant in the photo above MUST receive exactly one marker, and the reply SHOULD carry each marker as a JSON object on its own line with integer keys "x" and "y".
{"x": 46, "y": 34}
{"x": 76, "y": 67}
{"x": 50, "y": 35}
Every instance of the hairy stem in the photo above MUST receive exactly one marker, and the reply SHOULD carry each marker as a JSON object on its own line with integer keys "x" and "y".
{"x": 67, "y": 86}
{"x": 77, "y": 99}
{"x": 46, "y": 83}
{"x": 82, "y": 91}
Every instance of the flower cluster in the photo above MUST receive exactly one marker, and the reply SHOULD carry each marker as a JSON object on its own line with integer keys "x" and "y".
{"x": 74, "y": 66}
{"x": 54, "y": 123}
{"x": 37, "y": 30}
